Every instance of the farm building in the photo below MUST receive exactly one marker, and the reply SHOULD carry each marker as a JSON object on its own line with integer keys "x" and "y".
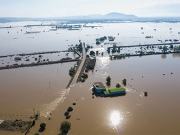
{"x": 99, "y": 88}
{"x": 115, "y": 92}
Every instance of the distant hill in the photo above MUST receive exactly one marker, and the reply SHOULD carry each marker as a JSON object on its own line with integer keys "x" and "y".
{"x": 113, "y": 16}
{"x": 110, "y": 16}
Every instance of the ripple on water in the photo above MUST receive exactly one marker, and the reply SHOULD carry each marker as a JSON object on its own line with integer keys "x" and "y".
{"x": 48, "y": 108}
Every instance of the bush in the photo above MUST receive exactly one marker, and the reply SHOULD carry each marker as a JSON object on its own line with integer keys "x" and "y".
{"x": 42, "y": 125}
{"x": 91, "y": 64}
{"x": 98, "y": 43}
{"x": 66, "y": 113}
{"x": 92, "y": 53}
{"x": 97, "y": 52}
{"x": 36, "y": 134}
{"x": 108, "y": 79}
{"x": 118, "y": 85}
{"x": 82, "y": 80}
{"x": 84, "y": 76}
{"x": 72, "y": 71}
{"x": 70, "y": 109}
{"x": 65, "y": 126}
{"x": 124, "y": 82}
{"x": 108, "y": 83}
{"x": 102, "y": 39}
{"x": 68, "y": 116}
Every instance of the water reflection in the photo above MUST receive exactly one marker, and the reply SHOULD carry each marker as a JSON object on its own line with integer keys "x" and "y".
{"x": 163, "y": 56}
{"x": 103, "y": 63}
{"x": 115, "y": 118}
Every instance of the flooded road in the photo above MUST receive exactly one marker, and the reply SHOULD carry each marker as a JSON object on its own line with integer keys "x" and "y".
{"x": 44, "y": 88}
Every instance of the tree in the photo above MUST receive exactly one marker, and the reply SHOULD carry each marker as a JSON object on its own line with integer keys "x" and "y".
{"x": 65, "y": 126}
{"x": 118, "y": 85}
{"x": 102, "y": 39}
{"x": 98, "y": 43}
{"x": 124, "y": 82}
{"x": 97, "y": 52}
{"x": 171, "y": 46}
{"x": 70, "y": 109}
{"x": 108, "y": 79}
{"x": 114, "y": 48}
{"x": 36, "y": 134}
{"x": 92, "y": 53}
{"x": 66, "y": 113}
{"x": 72, "y": 71}
{"x": 165, "y": 49}
{"x": 43, "y": 125}
{"x": 84, "y": 75}
{"x": 108, "y": 83}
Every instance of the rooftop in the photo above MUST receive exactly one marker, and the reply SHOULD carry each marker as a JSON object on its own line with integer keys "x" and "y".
{"x": 117, "y": 89}
{"x": 99, "y": 85}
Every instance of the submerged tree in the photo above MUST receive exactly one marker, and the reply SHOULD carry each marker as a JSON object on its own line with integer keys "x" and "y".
{"x": 124, "y": 82}
{"x": 92, "y": 53}
{"x": 118, "y": 85}
{"x": 65, "y": 126}
{"x": 43, "y": 126}
{"x": 108, "y": 79}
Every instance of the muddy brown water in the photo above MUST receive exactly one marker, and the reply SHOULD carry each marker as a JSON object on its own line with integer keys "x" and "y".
{"x": 43, "y": 88}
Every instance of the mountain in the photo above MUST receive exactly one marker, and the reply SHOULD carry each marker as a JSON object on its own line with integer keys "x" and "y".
{"x": 110, "y": 16}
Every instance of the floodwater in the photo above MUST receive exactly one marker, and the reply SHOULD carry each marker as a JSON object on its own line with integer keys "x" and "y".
{"x": 43, "y": 88}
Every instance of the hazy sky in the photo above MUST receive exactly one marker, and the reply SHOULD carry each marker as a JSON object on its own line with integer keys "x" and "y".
{"x": 59, "y": 8}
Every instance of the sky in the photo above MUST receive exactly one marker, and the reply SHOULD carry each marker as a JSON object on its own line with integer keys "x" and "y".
{"x": 62, "y": 8}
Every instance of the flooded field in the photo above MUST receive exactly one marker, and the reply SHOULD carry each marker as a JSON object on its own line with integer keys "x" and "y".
{"x": 43, "y": 88}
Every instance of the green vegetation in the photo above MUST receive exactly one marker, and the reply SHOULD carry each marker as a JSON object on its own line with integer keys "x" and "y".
{"x": 118, "y": 85}
{"x": 119, "y": 49}
{"x": 177, "y": 48}
{"x": 124, "y": 82}
{"x": 43, "y": 126}
{"x": 84, "y": 76}
{"x": 97, "y": 52}
{"x": 68, "y": 116}
{"x": 171, "y": 47}
{"x": 98, "y": 43}
{"x": 114, "y": 48}
{"x": 91, "y": 64}
{"x": 70, "y": 109}
{"x": 164, "y": 49}
{"x": 108, "y": 81}
{"x": 66, "y": 113}
{"x": 36, "y": 134}
{"x": 79, "y": 47}
{"x": 17, "y": 58}
{"x": 92, "y": 53}
{"x": 72, "y": 71}
{"x": 160, "y": 47}
{"x": 65, "y": 126}
{"x": 108, "y": 50}
{"x": 102, "y": 38}
{"x": 82, "y": 80}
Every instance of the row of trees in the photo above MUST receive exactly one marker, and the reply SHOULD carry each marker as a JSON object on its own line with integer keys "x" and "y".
{"x": 90, "y": 65}
{"x": 108, "y": 82}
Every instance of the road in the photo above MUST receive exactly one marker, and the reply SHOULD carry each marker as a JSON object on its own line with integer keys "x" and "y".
{"x": 80, "y": 66}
